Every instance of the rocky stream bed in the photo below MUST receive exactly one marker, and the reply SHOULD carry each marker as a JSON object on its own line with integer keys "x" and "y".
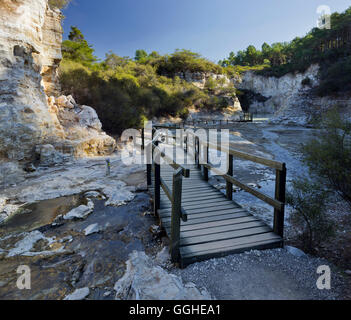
{"x": 88, "y": 235}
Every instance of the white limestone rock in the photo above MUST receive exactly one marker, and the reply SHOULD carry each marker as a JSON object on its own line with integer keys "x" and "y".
{"x": 118, "y": 197}
{"x": 163, "y": 257}
{"x": 93, "y": 228}
{"x": 78, "y": 294}
{"x": 295, "y": 251}
{"x": 49, "y": 156}
{"x": 30, "y": 54}
{"x": 10, "y": 173}
{"x": 64, "y": 102}
{"x": 145, "y": 281}
{"x": 89, "y": 118}
{"x": 80, "y": 212}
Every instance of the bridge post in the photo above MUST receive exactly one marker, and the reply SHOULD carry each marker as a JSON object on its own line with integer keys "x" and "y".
{"x": 205, "y": 156}
{"x": 142, "y": 139}
{"x": 280, "y": 189}
{"x": 197, "y": 152}
{"x": 230, "y": 173}
{"x": 149, "y": 164}
{"x": 157, "y": 187}
{"x": 176, "y": 215}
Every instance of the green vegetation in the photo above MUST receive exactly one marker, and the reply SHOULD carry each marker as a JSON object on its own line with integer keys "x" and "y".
{"x": 328, "y": 157}
{"x": 77, "y": 49}
{"x": 127, "y": 91}
{"x": 309, "y": 217}
{"x": 60, "y": 4}
{"x": 329, "y": 154}
{"x": 330, "y": 48}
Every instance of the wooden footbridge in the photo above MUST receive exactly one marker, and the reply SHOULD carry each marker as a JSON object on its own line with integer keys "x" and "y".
{"x": 202, "y": 222}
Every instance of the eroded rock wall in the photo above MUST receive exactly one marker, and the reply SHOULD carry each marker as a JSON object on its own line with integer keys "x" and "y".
{"x": 24, "y": 116}
{"x": 288, "y": 98}
{"x": 280, "y": 93}
{"x": 30, "y": 54}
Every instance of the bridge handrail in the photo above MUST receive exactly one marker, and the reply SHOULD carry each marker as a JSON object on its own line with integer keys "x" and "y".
{"x": 175, "y": 196}
{"x": 280, "y": 187}
{"x": 278, "y": 203}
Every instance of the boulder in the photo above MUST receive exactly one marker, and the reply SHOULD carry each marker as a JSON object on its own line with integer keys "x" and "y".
{"x": 78, "y": 294}
{"x": 295, "y": 251}
{"x": 145, "y": 281}
{"x": 49, "y": 156}
{"x": 80, "y": 212}
{"x": 93, "y": 228}
{"x": 88, "y": 118}
{"x": 65, "y": 102}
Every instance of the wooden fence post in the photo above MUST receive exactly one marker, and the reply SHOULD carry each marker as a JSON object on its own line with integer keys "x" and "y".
{"x": 157, "y": 187}
{"x": 142, "y": 139}
{"x": 176, "y": 215}
{"x": 230, "y": 173}
{"x": 205, "y": 155}
{"x": 280, "y": 188}
{"x": 197, "y": 152}
{"x": 149, "y": 164}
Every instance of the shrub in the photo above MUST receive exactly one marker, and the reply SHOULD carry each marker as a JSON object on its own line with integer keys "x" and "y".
{"x": 309, "y": 217}
{"x": 60, "y": 4}
{"x": 328, "y": 155}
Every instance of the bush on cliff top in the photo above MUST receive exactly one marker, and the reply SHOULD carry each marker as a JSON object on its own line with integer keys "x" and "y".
{"x": 60, "y": 4}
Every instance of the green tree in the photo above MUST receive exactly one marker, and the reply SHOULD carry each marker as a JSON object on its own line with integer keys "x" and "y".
{"x": 77, "y": 48}
{"x": 140, "y": 55}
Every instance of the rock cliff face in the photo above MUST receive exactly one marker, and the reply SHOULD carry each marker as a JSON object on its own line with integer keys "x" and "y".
{"x": 287, "y": 98}
{"x": 30, "y": 53}
{"x": 279, "y": 93}
{"x": 199, "y": 79}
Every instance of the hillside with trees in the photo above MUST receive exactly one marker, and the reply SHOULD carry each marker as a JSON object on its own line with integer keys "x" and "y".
{"x": 330, "y": 48}
{"x": 126, "y": 91}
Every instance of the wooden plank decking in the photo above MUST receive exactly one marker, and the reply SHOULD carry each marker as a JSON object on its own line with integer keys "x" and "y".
{"x": 216, "y": 226}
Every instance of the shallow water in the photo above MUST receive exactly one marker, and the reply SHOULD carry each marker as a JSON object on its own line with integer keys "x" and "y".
{"x": 33, "y": 216}
{"x": 96, "y": 261}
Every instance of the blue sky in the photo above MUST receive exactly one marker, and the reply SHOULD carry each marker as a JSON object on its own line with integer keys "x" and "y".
{"x": 210, "y": 27}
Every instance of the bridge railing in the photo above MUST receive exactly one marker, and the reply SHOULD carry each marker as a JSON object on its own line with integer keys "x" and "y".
{"x": 174, "y": 195}
{"x": 200, "y": 151}
{"x": 201, "y": 159}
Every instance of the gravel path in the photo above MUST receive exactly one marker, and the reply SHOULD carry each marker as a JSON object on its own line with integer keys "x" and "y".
{"x": 263, "y": 275}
